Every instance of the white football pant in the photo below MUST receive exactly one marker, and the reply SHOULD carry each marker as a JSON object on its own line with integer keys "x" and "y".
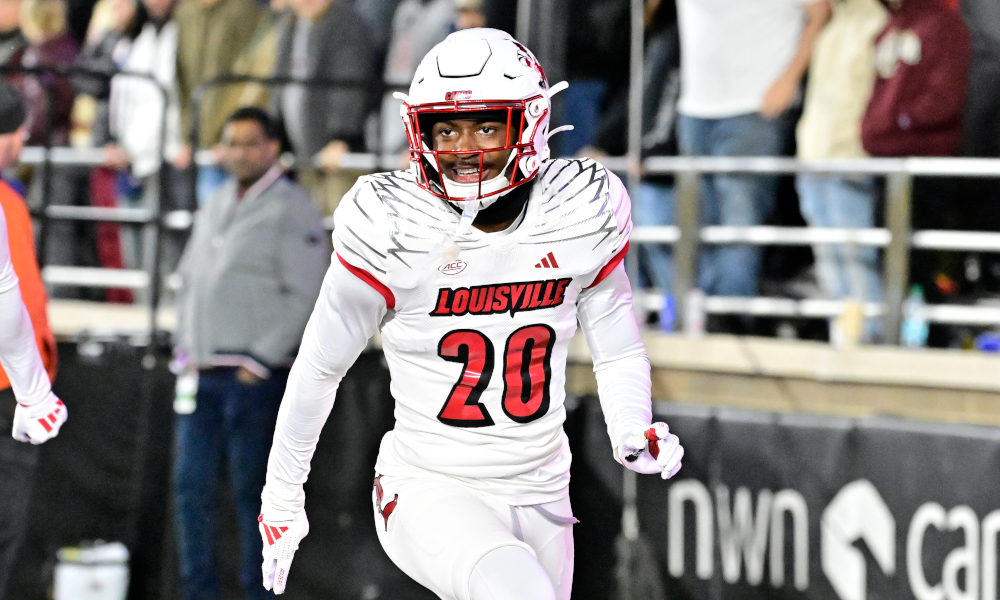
{"x": 465, "y": 545}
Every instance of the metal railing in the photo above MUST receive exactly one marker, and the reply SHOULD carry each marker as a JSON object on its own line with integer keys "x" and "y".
{"x": 896, "y": 239}
{"x": 149, "y": 218}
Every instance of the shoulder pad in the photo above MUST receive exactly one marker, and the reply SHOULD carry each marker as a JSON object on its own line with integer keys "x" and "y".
{"x": 390, "y": 223}
{"x": 579, "y": 198}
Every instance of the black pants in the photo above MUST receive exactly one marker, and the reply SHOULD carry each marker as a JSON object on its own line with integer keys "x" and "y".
{"x": 17, "y": 473}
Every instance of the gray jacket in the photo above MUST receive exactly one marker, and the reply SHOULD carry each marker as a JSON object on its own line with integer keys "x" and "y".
{"x": 251, "y": 275}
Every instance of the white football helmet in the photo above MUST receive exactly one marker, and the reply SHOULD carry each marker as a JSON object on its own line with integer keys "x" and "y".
{"x": 476, "y": 71}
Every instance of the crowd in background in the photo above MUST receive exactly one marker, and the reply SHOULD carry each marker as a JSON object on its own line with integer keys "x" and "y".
{"x": 813, "y": 78}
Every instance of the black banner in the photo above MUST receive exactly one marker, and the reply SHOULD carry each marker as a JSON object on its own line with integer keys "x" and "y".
{"x": 794, "y": 506}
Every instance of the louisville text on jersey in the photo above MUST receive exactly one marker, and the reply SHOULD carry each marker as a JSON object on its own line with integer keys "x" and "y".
{"x": 500, "y": 298}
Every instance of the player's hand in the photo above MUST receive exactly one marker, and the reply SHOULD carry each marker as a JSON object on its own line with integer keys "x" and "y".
{"x": 281, "y": 540}
{"x": 39, "y": 423}
{"x": 652, "y": 449}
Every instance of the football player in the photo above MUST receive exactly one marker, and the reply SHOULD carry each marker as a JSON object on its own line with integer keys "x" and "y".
{"x": 39, "y": 413}
{"x": 476, "y": 265}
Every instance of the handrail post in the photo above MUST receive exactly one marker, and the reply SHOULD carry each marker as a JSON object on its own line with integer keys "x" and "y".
{"x": 896, "y": 266}
{"x": 685, "y": 252}
{"x": 634, "y": 179}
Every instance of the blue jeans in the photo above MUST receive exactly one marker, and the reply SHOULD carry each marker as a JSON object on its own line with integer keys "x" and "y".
{"x": 844, "y": 271}
{"x": 734, "y": 199}
{"x": 654, "y": 206}
{"x": 231, "y": 428}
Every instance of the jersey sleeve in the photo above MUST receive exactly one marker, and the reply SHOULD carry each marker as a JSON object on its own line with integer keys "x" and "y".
{"x": 8, "y": 279}
{"x": 360, "y": 238}
{"x": 18, "y": 350}
{"x": 621, "y": 365}
{"x": 617, "y": 214}
{"x": 346, "y": 316}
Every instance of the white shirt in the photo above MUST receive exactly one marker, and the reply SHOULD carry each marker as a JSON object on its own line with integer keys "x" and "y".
{"x": 137, "y": 105}
{"x": 476, "y": 347}
{"x": 732, "y": 51}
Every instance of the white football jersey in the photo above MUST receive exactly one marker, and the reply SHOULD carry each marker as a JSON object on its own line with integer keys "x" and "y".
{"x": 477, "y": 347}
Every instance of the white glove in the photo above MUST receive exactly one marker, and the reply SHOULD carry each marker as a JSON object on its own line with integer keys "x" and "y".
{"x": 651, "y": 449}
{"x": 39, "y": 423}
{"x": 281, "y": 540}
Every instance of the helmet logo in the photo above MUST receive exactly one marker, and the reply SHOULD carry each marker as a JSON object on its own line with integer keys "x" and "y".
{"x": 527, "y": 59}
{"x": 459, "y": 95}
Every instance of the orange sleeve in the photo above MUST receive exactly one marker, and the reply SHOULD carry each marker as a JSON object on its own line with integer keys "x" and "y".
{"x": 21, "y": 238}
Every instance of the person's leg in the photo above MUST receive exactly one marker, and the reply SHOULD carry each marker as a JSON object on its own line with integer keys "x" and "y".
{"x": 548, "y": 529}
{"x": 250, "y": 414}
{"x": 437, "y": 532}
{"x": 853, "y": 206}
{"x": 492, "y": 577}
{"x": 744, "y": 200}
{"x": 18, "y": 462}
{"x": 814, "y": 203}
{"x": 198, "y": 449}
{"x": 655, "y": 206}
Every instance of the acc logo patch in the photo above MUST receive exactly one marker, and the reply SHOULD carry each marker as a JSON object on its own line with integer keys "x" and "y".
{"x": 454, "y": 267}
{"x": 459, "y": 95}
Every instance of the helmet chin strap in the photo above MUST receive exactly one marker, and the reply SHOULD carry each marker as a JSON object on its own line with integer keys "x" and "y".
{"x": 470, "y": 191}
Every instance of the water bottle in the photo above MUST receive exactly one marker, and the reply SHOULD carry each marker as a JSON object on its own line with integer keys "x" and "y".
{"x": 668, "y": 314}
{"x": 915, "y": 327}
{"x": 186, "y": 392}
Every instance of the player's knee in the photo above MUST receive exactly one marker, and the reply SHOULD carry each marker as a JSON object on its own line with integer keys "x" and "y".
{"x": 510, "y": 573}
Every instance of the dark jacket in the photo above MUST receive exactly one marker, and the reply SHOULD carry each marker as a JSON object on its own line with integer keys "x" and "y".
{"x": 47, "y": 95}
{"x": 339, "y": 48}
{"x": 922, "y": 64}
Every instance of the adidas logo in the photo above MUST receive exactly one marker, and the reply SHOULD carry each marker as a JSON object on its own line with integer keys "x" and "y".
{"x": 549, "y": 262}
{"x": 273, "y": 533}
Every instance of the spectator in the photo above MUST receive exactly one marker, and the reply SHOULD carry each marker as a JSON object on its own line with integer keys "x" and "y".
{"x": 12, "y": 40}
{"x": 922, "y": 62}
{"x": 916, "y": 109}
{"x": 469, "y": 14}
{"x": 378, "y": 15}
{"x": 211, "y": 35}
{"x": 418, "y": 26}
{"x": 841, "y": 75}
{"x": 137, "y": 106}
{"x": 259, "y": 56}
{"x": 654, "y": 204}
{"x": 742, "y": 62}
{"x": 48, "y": 97}
{"x": 326, "y": 40}
{"x": 109, "y": 39}
{"x": 251, "y": 274}
{"x": 591, "y": 38}
{"x": 18, "y": 461}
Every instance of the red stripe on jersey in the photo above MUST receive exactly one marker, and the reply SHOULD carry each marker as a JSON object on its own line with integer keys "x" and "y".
{"x": 552, "y": 259}
{"x": 606, "y": 270}
{"x": 390, "y": 299}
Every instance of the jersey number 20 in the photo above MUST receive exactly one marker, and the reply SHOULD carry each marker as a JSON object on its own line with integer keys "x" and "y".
{"x": 527, "y": 370}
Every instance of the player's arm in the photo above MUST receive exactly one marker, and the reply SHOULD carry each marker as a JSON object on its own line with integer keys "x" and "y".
{"x": 346, "y": 316}
{"x": 39, "y": 414}
{"x": 624, "y": 386}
